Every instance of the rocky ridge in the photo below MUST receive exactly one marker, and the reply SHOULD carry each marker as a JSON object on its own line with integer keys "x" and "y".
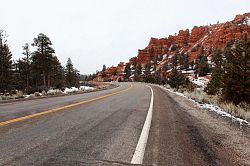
{"x": 200, "y": 38}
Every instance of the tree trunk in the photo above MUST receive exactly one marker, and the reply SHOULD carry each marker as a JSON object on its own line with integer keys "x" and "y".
{"x": 44, "y": 79}
{"x": 27, "y": 82}
{"x": 48, "y": 80}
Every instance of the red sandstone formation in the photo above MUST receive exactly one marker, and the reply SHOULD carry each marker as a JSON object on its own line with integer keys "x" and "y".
{"x": 197, "y": 33}
{"x": 207, "y": 37}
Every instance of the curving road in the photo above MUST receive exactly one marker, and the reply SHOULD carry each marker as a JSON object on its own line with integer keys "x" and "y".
{"x": 104, "y": 128}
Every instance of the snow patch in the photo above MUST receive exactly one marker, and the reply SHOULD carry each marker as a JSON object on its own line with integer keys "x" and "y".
{"x": 200, "y": 81}
{"x": 211, "y": 107}
{"x": 84, "y": 88}
{"x": 71, "y": 90}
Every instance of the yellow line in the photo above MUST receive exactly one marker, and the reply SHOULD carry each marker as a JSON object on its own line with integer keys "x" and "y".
{"x": 60, "y": 108}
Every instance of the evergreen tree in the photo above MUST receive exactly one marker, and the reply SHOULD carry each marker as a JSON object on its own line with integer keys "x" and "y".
{"x": 104, "y": 70}
{"x": 6, "y": 65}
{"x": 174, "y": 61}
{"x": 26, "y": 59}
{"x": 154, "y": 62}
{"x": 157, "y": 77}
{"x": 71, "y": 75}
{"x": 20, "y": 74}
{"x": 138, "y": 70}
{"x": 134, "y": 65}
{"x": 201, "y": 65}
{"x": 19, "y": 78}
{"x": 147, "y": 73}
{"x": 57, "y": 74}
{"x": 184, "y": 63}
{"x": 176, "y": 79}
{"x": 127, "y": 71}
{"x": 236, "y": 80}
{"x": 23, "y": 69}
{"x": 42, "y": 60}
{"x": 215, "y": 84}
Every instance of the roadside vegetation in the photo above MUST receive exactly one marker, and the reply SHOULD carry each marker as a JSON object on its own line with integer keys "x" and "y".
{"x": 229, "y": 87}
{"x": 36, "y": 73}
{"x": 226, "y": 70}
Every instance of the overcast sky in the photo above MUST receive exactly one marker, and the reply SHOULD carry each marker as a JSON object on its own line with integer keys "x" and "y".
{"x": 97, "y": 32}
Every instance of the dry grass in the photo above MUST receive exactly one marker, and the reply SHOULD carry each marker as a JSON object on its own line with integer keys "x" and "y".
{"x": 242, "y": 110}
{"x": 202, "y": 97}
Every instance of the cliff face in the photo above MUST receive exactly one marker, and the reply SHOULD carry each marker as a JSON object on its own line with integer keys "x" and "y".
{"x": 192, "y": 42}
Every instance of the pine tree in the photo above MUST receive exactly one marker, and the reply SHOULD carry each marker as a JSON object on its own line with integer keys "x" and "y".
{"x": 71, "y": 75}
{"x": 57, "y": 74}
{"x": 147, "y": 73}
{"x": 176, "y": 79}
{"x": 174, "y": 61}
{"x": 42, "y": 60}
{"x": 134, "y": 65}
{"x": 6, "y": 65}
{"x": 26, "y": 52}
{"x": 23, "y": 68}
{"x": 104, "y": 70}
{"x": 201, "y": 65}
{"x": 138, "y": 70}
{"x": 157, "y": 77}
{"x": 127, "y": 71}
{"x": 184, "y": 62}
{"x": 215, "y": 84}
{"x": 236, "y": 80}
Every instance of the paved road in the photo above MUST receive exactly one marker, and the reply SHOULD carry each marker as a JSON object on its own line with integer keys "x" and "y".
{"x": 106, "y": 131}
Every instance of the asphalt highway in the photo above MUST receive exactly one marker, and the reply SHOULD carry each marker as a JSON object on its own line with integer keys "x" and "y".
{"x": 104, "y": 127}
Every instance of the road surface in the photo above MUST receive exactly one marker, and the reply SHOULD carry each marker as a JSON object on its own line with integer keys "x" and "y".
{"x": 104, "y": 128}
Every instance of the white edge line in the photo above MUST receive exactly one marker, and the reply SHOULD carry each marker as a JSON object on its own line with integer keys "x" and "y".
{"x": 141, "y": 145}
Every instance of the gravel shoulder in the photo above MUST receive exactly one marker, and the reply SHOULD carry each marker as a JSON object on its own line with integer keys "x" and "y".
{"x": 184, "y": 134}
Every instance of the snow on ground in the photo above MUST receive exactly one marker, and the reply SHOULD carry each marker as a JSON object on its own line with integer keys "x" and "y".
{"x": 26, "y": 96}
{"x": 54, "y": 91}
{"x": 86, "y": 88}
{"x": 81, "y": 88}
{"x": 211, "y": 107}
{"x": 200, "y": 81}
{"x": 71, "y": 90}
{"x": 187, "y": 72}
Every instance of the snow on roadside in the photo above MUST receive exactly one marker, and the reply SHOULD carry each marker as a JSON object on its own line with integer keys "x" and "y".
{"x": 81, "y": 88}
{"x": 200, "y": 81}
{"x": 86, "y": 88}
{"x": 26, "y": 96}
{"x": 71, "y": 90}
{"x": 211, "y": 107}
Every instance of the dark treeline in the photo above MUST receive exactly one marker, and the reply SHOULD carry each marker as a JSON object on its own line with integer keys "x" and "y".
{"x": 35, "y": 71}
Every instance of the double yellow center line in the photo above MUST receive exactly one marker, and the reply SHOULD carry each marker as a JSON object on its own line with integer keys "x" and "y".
{"x": 61, "y": 108}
